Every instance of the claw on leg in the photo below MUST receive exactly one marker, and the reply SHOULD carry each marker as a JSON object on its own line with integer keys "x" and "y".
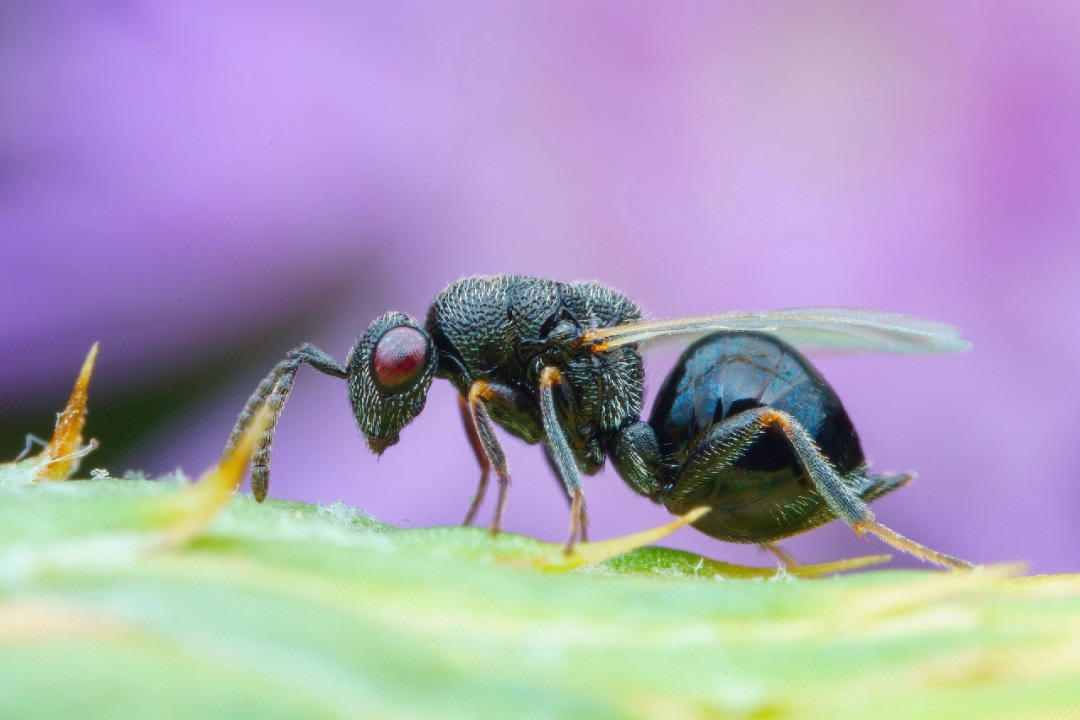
{"x": 500, "y": 505}
{"x": 578, "y": 520}
{"x": 477, "y": 499}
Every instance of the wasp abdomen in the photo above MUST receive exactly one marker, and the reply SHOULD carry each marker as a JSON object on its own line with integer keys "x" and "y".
{"x": 725, "y": 374}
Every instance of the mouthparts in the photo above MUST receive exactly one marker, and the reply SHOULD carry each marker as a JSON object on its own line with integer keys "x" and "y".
{"x": 378, "y": 444}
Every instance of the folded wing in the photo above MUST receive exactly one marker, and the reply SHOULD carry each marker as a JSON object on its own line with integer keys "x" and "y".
{"x": 843, "y": 330}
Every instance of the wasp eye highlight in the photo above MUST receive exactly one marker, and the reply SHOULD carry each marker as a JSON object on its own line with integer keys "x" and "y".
{"x": 400, "y": 356}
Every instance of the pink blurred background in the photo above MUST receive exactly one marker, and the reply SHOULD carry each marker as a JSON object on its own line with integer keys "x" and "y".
{"x": 203, "y": 186}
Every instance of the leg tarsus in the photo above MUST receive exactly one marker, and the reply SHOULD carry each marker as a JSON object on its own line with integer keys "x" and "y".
{"x": 474, "y": 506}
{"x": 909, "y": 546}
{"x": 500, "y": 505}
{"x": 481, "y": 459}
{"x": 566, "y": 492}
{"x": 785, "y": 558}
{"x": 842, "y": 498}
{"x": 578, "y": 520}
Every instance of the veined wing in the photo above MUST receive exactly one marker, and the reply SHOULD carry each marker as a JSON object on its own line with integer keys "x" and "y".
{"x": 848, "y": 330}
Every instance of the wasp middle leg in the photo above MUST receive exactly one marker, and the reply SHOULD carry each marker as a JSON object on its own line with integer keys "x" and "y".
{"x": 562, "y": 454}
{"x": 508, "y": 400}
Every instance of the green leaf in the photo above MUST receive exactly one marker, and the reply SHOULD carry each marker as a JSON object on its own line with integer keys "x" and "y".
{"x": 294, "y": 610}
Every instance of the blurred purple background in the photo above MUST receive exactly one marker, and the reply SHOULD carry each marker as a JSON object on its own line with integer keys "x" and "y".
{"x": 201, "y": 187}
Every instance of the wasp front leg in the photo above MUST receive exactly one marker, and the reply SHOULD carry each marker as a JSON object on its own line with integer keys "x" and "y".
{"x": 481, "y": 458}
{"x": 562, "y": 454}
{"x": 511, "y": 407}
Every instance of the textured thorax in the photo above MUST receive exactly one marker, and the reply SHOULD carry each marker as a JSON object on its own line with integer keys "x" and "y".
{"x": 493, "y": 328}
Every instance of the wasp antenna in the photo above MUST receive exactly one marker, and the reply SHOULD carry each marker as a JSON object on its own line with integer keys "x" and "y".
{"x": 272, "y": 392}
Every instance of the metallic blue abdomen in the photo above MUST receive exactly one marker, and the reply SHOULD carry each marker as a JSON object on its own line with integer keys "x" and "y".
{"x": 764, "y": 492}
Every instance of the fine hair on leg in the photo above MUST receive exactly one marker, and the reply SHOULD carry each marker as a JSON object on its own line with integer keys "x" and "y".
{"x": 479, "y": 392}
{"x": 562, "y": 455}
{"x": 272, "y": 391}
{"x": 481, "y": 458}
{"x": 842, "y": 499}
{"x": 733, "y": 436}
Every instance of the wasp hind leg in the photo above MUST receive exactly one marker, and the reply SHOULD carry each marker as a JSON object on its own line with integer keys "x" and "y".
{"x": 847, "y": 499}
{"x": 867, "y": 487}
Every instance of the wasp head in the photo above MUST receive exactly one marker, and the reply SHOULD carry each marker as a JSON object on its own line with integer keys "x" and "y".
{"x": 390, "y": 370}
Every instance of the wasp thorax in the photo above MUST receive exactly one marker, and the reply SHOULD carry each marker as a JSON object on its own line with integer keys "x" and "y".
{"x": 390, "y": 370}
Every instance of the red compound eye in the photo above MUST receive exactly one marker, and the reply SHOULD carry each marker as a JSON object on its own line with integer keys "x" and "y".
{"x": 400, "y": 356}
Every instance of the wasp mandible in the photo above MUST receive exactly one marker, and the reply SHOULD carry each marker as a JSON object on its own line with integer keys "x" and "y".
{"x": 743, "y": 423}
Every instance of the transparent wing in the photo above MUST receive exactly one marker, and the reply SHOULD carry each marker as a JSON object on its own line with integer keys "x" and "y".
{"x": 848, "y": 330}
